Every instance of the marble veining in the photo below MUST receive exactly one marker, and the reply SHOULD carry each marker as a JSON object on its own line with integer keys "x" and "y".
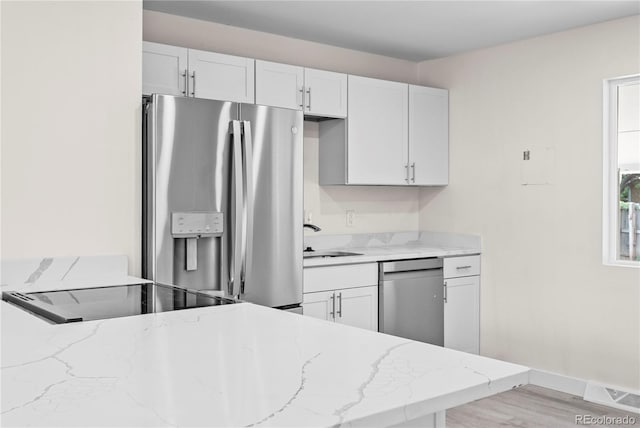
{"x": 374, "y": 247}
{"x": 63, "y": 273}
{"x": 386, "y": 239}
{"x": 21, "y": 273}
{"x": 236, "y": 365}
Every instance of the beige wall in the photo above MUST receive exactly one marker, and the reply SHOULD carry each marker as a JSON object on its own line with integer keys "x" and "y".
{"x": 547, "y": 300}
{"x": 196, "y": 34}
{"x": 71, "y": 129}
{"x": 377, "y": 209}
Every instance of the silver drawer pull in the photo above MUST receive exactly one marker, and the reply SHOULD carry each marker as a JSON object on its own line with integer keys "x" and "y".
{"x": 463, "y": 267}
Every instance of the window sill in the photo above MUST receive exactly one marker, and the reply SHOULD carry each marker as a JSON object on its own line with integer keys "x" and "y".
{"x": 622, "y": 263}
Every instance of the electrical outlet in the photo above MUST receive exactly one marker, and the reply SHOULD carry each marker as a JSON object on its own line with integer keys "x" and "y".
{"x": 308, "y": 216}
{"x": 351, "y": 218}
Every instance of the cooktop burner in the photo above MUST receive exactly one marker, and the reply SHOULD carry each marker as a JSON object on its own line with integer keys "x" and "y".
{"x": 86, "y": 304}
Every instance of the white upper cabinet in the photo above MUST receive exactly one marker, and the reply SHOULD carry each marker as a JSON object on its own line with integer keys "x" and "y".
{"x": 377, "y": 132}
{"x": 221, "y": 77}
{"x": 279, "y": 85}
{"x": 428, "y": 135}
{"x": 396, "y": 134}
{"x": 172, "y": 70}
{"x": 325, "y": 93}
{"x": 164, "y": 69}
{"x": 316, "y": 92}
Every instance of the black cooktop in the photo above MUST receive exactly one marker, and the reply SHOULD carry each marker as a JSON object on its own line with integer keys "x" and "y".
{"x": 85, "y": 304}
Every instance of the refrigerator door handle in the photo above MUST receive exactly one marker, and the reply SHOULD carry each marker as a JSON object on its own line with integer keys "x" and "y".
{"x": 249, "y": 201}
{"x": 237, "y": 217}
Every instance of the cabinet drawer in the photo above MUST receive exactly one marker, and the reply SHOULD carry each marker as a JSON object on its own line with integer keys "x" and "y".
{"x": 461, "y": 266}
{"x": 343, "y": 276}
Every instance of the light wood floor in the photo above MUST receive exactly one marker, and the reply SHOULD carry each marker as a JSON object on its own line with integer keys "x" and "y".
{"x": 530, "y": 407}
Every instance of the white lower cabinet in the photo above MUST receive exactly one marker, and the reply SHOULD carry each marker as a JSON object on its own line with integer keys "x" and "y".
{"x": 346, "y": 294}
{"x": 357, "y": 307}
{"x": 319, "y": 305}
{"x": 462, "y": 314}
{"x": 462, "y": 304}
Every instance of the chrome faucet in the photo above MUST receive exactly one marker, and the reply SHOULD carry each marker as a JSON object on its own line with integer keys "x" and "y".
{"x": 312, "y": 227}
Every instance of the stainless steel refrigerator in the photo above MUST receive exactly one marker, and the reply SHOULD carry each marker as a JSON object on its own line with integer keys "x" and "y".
{"x": 222, "y": 208}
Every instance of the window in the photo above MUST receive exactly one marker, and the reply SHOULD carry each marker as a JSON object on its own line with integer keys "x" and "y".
{"x": 621, "y": 214}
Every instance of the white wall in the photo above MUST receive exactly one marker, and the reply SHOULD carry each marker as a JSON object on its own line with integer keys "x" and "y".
{"x": 377, "y": 209}
{"x": 547, "y": 300}
{"x": 71, "y": 85}
{"x": 196, "y": 34}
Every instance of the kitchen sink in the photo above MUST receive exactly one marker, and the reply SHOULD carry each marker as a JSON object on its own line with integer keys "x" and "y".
{"x": 314, "y": 254}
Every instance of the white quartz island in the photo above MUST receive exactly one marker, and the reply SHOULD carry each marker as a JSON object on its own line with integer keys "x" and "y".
{"x": 236, "y": 365}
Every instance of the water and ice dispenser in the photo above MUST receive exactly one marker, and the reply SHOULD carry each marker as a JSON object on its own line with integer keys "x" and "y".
{"x": 194, "y": 234}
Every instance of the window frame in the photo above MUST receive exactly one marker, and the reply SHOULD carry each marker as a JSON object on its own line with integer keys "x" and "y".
{"x": 610, "y": 190}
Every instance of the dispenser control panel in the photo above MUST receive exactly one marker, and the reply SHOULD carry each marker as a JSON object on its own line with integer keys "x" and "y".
{"x": 196, "y": 224}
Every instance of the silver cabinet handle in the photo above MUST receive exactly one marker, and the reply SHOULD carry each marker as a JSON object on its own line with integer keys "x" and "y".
{"x": 406, "y": 168}
{"x": 463, "y": 267}
{"x": 413, "y": 173}
{"x": 301, "y": 90}
{"x": 308, "y": 99}
{"x": 186, "y": 82}
{"x": 340, "y": 302}
{"x": 445, "y": 291}
{"x": 333, "y": 306}
{"x": 193, "y": 89}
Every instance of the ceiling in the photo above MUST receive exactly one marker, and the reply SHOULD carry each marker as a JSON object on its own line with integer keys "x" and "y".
{"x": 411, "y": 30}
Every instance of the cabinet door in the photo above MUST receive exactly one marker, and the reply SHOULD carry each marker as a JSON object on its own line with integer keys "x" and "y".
{"x": 279, "y": 85}
{"x": 377, "y": 132}
{"x": 462, "y": 314}
{"x": 164, "y": 69}
{"x": 325, "y": 93}
{"x": 319, "y": 305}
{"x": 221, "y": 77}
{"x": 358, "y": 307}
{"x": 429, "y": 135}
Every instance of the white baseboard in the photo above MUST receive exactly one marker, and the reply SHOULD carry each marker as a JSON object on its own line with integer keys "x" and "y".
{"x": 590, "y": 391}
{"x": 558, "y": 382}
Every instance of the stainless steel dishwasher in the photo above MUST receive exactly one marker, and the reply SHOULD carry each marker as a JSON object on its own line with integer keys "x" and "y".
{"x": 411, "y": 299}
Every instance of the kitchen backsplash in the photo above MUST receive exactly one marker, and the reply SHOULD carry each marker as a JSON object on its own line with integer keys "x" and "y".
{"x": 361, "y": 240}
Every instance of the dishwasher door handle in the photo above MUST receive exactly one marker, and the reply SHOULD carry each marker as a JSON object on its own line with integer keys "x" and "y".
{"x": 395, "y": 276}
{"x": 445, "y": 291}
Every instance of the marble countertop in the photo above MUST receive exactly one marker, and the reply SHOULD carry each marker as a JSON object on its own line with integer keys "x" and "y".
{"x": 236, "y": 365}
{"x": 377, "y": 247}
